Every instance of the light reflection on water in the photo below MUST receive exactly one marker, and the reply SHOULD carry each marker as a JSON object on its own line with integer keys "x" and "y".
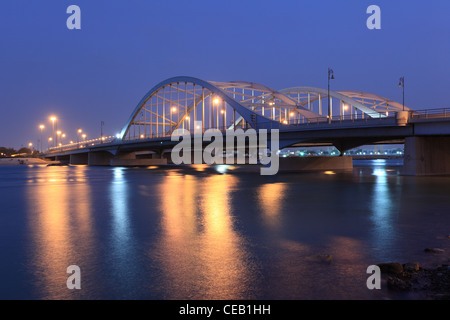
{"x": 59, "y": 216}
{"x": 271, "y": 197}
{"x": 198, "y": 234}
{"x": 199, "y": 244}
{"x": 384, "y": 210}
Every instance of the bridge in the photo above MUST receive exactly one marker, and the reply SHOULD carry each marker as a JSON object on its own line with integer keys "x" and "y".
{"x": 304, "y": 116}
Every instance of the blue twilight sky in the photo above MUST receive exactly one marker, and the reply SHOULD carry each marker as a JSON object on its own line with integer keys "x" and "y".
{"x": 125, "y": 47}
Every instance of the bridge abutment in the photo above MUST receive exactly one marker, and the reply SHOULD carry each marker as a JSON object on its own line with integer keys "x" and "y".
{"x": 426, "y": 155}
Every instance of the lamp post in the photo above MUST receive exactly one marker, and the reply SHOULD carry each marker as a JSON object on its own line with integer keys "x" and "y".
{"x": 42, "y": 127}
{"x": 101, "y": 131}
{"x": 216, "y": 102}
{"x": 330, "y": 77}
{"x": 53, "y": 120}
{"x": 401, "y": 84}
{"x": 188, "y": 119}
{"x": 344, "y": 108}
{"x": 79, "y": 131}
{"x": 172, "y": 111}
{"x": 223, "y": 112}
{"x": 58, "y": 133}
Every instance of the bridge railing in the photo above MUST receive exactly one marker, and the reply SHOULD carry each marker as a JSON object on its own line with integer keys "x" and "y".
{"x": 287, "y": 124}
{"x": 324, "y": 120}
{"x": 81, "y": 144}
{"x": 431, "y": 113}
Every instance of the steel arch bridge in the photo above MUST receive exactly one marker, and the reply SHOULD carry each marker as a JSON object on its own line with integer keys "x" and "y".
{"x": 193, "y": 104}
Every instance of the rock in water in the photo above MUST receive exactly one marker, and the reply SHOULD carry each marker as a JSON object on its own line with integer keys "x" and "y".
{"x": 434, "y": 250}
{"x": 392, "y": 267}
{"x": 411, "y": 267}
{"x": 326, "y": 258}
{"x": 395, "y": 283}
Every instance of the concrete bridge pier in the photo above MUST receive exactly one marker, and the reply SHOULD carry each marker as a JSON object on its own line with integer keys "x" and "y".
{"x": 99, "y": 158}
{"x": 62, "y": 159}
{"x": 427, "y": 155}
{"x": 132, "y": 160}
{"x": 79, "y": 158}
{"x": 292, "y": 164}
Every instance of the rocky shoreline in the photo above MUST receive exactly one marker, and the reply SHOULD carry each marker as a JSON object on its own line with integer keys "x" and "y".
{"x": 432, "y": 283}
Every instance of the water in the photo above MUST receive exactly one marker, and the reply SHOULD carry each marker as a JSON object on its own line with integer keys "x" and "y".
{"x": 202, "y": 234}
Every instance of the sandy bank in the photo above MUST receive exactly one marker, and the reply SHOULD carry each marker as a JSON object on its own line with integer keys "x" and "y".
{"x": 24, "y": 161}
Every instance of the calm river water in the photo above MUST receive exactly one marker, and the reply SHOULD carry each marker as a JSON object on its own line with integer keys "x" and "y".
{"x": 147, "y": 233}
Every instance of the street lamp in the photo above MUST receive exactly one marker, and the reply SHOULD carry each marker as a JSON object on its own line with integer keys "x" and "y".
{"x": 188, "y": 119}
{"x": 401, "y": 84}
{"x": 79, "y": 131}
{"x": 54, "y": 124}
{"x": 102, "y": 123}
{"x": 172, "y": 111}
{"x": 344, "y": 108}
{"x": 58, "y": 133}
{"x": 84, "y": 139}
{"x": 224, "y": 114}
{"x": 216, "y": 102}
{"x": 330, "y": 77}
{"x": 42, "y": 127}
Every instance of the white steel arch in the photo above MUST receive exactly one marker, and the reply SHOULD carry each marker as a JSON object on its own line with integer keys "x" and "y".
{"x": 179, "y": 102}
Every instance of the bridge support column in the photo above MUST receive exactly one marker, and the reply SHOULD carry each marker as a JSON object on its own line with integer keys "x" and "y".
{"x": 62, "y": 159}
{"x": 291, "y": 164}
{"x": 425, "y": 156}
{"x": 101, "y": 158}
{"x": 130, "y": 160}
{"x": 79, "y": 158}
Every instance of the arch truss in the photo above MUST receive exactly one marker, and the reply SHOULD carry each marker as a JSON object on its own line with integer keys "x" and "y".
{"x": 194, "y": 104}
